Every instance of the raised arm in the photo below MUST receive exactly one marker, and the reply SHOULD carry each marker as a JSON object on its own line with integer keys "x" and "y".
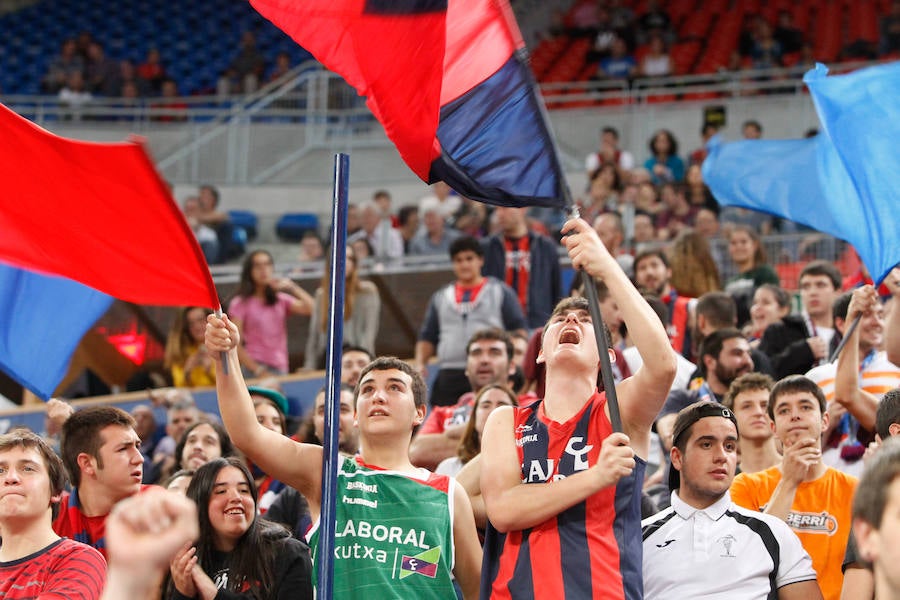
{"x": 512, "y": 505}
{"x": 847, "y": 392}
{"x": 297, "y": 465}
{"x": 892, "y": 328}
{"x": 642, "y": 395}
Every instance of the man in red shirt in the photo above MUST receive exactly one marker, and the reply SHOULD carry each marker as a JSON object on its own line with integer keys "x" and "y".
{"x": 35, "y": 562}
{"x": 101, "y": 452}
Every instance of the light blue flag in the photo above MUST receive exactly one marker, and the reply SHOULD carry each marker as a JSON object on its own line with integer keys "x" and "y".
{"x": 844, "y": 182}
{"x": 42, "y": 320}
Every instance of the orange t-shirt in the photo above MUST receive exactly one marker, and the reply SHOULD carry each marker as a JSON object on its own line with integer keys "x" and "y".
{"x": 820, "y": 516}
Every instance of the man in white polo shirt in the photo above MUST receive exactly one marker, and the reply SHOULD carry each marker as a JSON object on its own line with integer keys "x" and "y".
{"x": 705, "y": 546}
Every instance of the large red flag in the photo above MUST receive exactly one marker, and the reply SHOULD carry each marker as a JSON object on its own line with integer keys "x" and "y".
{"x": 447, "y": 80}
{"x": 98, "y": 214}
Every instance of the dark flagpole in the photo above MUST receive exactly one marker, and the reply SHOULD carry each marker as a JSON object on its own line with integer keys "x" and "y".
{"x": 325, "y": 584}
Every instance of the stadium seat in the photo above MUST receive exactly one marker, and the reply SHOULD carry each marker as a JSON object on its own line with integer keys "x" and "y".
{"x": 246, "y": 220}
{"x": 292, "y": 226}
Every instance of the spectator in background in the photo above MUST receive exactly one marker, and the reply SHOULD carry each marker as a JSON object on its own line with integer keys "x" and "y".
{"x": 128, "y": 76}
{"x": 528, "y": 262}
{"x": 468, "y": 304}
{"x": 766, "y": 51}
{"x": 282, "y": 66}
{"x": 609, "y": 153}
{"x": 362, "y": 309}
{"x": 677, "y": 215}
{"x": 610, "y": 229}
{"x": 694, "y": 271}
{"x": 173, "y": 108}
{"x": 696, "y": 190}
{"x": 101, "y": 73}
{"x": 311, "y": 249}
{"x": 699, "y": 155}
{"x": 449, "y": 200}
{"x": 152, "y": 70}
{"x": 654, "y": 21}
{"x": 889, "y": 27}
{"x": 644, "y": 232}
{"x": 435, "y": 237}
{"x": 202, "y": 442}
{"x": 489, "y": 398}
{"x": 800, "y": 342}
{"x": 62, "y": 67}
{"x": 472, "y": 218}
{"x": 603, "y": 193}
{"x": 206, "y": 235}
{"x": 248, "y": 64}
{"x": 787, "y": 34}
{"x": 664, "y": 164}
{"x": 748, "y": 399}
{"x": 770, "y": 305}
{"x": 384, "y": 240}
{"x": 652, "y": 275}
{"x": 604, "y": 38}
{"x": 620, "y": 63}
{"x": 749, "y": 257}
{"x": 260, "y": 308}
{"x": 408, "y": 219}
{"x": 186, "y": 356}
{"x": 656, "y": 62}
{"x": 270, "y": 407}
{"x": 752, "y": 130}
{"x": 74, "y": 93}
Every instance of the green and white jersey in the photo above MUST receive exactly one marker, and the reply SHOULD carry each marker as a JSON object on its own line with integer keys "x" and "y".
{"x": 394, "y": 534}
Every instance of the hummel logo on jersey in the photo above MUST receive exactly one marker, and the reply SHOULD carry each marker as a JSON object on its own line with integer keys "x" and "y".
{"x": 666, "y": 543}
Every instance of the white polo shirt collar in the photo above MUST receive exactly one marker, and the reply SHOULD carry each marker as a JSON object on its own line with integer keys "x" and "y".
{"x": 713, "y": 512}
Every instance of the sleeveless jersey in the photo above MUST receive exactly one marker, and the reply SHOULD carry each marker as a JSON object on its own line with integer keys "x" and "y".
{"x": 394, "y": 535}
{"x": 591, "y": 550}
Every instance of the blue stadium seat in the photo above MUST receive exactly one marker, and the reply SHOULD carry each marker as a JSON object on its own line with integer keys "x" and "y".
{"x": 291, "y": 226}
{"x": 246, "y": 220}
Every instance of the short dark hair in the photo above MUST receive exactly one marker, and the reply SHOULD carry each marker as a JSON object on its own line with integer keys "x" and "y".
{"x": 888, "y": 413}
{"x": 822, "y": 267}
{"x": 386, "y": 363}
{"x": 350, "y": 348}
{"x": 840, "y": 306}
{"x": 611, "y": 130}
{"x": 492, "y": 334}
{"x": 381, "y": 194}
{"x": 405, "y": 212}
{"x": 719, "y": 309}
{"x": 782, "y": 298}
{"x": 872, "y": 491}
{"x": 793, "y": 384}
{"x": 713, "y": 343}
{"x": 465, "y": 243}
{"x": 213, "y": 190}
{"x": 747, "y": 382}
{"x": 753, "y": 123}
{"x": 28, "y": 440}
{"x": 81, "y": 434}
{"x": 657, "y": 252}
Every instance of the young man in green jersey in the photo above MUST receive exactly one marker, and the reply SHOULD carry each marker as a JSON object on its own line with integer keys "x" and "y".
{"x": 400, "y": 529}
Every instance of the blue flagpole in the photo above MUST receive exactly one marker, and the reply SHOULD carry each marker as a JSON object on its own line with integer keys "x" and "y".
{"x": 325, "y": 584}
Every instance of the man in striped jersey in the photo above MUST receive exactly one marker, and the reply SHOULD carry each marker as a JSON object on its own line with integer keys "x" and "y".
{"x": 854, "y": 384}
{"x": 704, "y": 545}
{"x": 35, "y": 562}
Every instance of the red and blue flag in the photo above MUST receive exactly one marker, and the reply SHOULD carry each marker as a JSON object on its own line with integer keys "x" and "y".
{"x": 82, "y": 223}
{"x": 448, "y": 81}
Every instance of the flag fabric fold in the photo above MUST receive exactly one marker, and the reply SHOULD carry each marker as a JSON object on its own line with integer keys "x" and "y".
{"x": 447, "y": 80}
{"x": 42, "y": 320}
{"x": 840, "y": 182}
{"x": 82, "y": 223}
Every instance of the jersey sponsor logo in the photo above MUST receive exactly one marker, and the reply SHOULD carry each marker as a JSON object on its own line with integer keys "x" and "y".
{"x": 522, "y": 428}
{"x": 360, "y": 501}
{"x": 383, "y": 533}
{"x": 541, "y": 470}
{"x": 363, "y": 486}
{"x": 526, "y": 439}
{"x": 424, "y": 563}
{"x": 804, "y": 522}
